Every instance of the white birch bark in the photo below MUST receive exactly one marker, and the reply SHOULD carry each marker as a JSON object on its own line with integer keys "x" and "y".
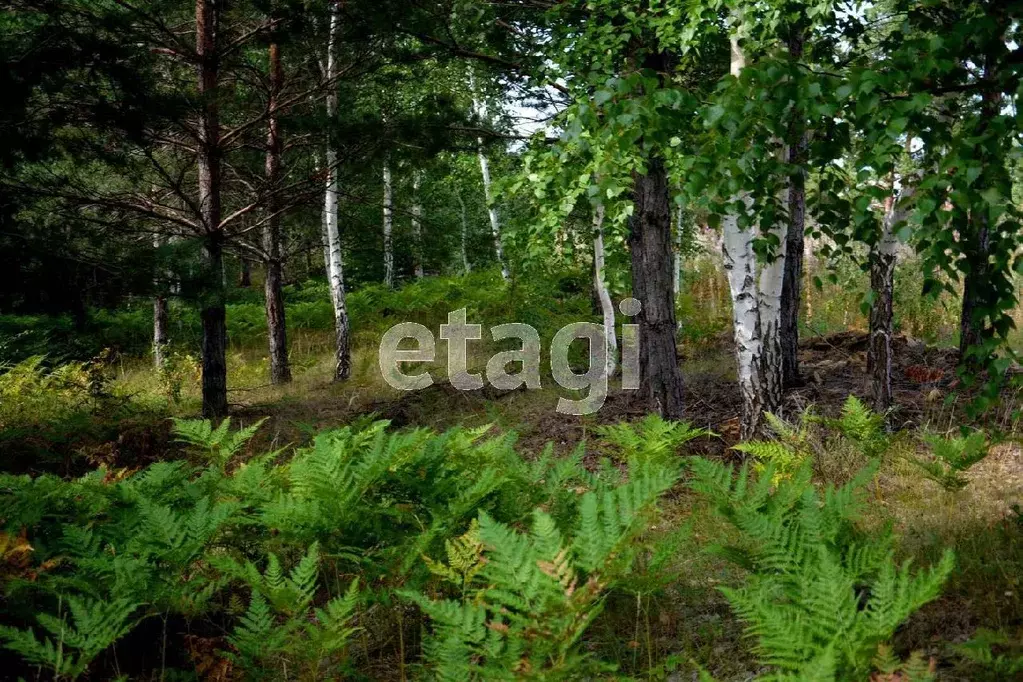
{"x": 495, "y": 221}
{"x": 466, "y": 267}
{"x": 417, "y": 223}
{"x": 324, "y": 241}
{"x": 883, "y": 258}
{"x": 335, "y": 271}
{"x": 756, "y": 302}
{"x": 606, "y": 306}
{"x": 740, "y": 266}
{"x": 160, "y": 315}
{"x": 388, "y": 226}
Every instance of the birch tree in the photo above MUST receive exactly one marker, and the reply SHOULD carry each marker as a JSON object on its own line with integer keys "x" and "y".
{"x": 756, "y": 289}
{"x": 342, "y": 329}
{"x": 882, "y": 261}
{"x": 466, "y": 267}
{"x": 607, "y": 308}
{"x": 495, "y": 221}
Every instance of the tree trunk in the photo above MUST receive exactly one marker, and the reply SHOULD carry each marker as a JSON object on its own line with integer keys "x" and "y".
{"x": 214, "y": 332}
{"x": 882, "y": 277}
{"x": 791, "y": 293}
{"x": 650, "y": 248}
{"x": 245, "y": 277}
{"x": 277, "y": 333}
{"x": 977, "y": 289}
{"x": 676, "y": 281}
{"x": 972, "y": 330}
{"x": 324, "y": 241}
{"x": 213, "y": 313}
{"x": 607, "y": 308}
{"x": 417, "y": 225}
{"x": 388, "y": 226}
{"x": 756, "y": 309}
{"x": 466, "y": 268}
{"x": 160, "y": 323}
{"x": 495, "y": 221}
{"x": 770, "y": 285}
{"x": 740, "y": 266}
{"x": 161, "y": 317}
{"x": 335, "y": 265}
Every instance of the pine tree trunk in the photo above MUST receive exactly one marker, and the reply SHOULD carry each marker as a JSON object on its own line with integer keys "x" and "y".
{"x": 213, "y": 315}
{"x": 791, "y": 296}
{"x": 277, "y": 332}
{"x": 650, "y": 248}
{"x": 466, "y": 267}
{"x": 213, "y": 312}
{"x": 607, "y": 308}
{"x": 245, "y": 278}
{"x": 882, "y": 283}
{"x": 388, "y": 226}
{"x": 335, "y": 264}
{"x": 417, "y": 225}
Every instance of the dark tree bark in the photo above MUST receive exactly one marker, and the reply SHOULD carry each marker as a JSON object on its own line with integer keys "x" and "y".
{"x": 791, "y": 294}
{"x": 213, "y": 313}
{"x": 972, "y": 330}
{"x": 977, "y": 290}
{"x": 214, "y": 332}
{"x": 277, "y": 334}
{"x": 651, "y": 252}
{"x": 245, "y": 277}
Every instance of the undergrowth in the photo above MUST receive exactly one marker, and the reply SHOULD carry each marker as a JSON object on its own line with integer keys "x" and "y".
{"x": 293, "y": 565}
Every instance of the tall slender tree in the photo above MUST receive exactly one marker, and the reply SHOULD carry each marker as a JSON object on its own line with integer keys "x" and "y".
{"x": 273, "y": 283}
{"x": 342, "y": 328}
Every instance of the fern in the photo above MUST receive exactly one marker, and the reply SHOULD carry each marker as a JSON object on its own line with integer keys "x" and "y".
{"x": 651, "y": 439}
{"x": 69, "y": 647}
{"x": 280, "y": 622}
{"x": 538, "y": 591}
{"x": 953, "y": 457}
{"x": 820, "y": 597}
{"x": 863, "y": 426}
{"x": 219, "y": 444}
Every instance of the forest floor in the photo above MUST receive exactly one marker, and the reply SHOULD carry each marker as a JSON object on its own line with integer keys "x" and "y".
{"x": 981, "y": 523}
{"x": 833, "y": 368}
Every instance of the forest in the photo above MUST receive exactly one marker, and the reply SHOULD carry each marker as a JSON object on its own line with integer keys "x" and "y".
{"x": 511, "y": 340}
